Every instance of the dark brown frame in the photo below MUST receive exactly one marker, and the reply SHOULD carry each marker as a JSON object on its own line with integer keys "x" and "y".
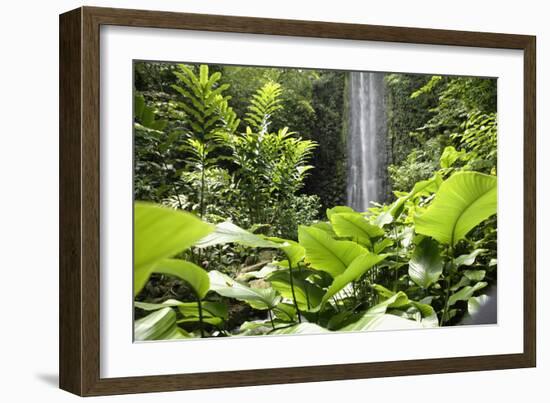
{"x": 79, "y": 201}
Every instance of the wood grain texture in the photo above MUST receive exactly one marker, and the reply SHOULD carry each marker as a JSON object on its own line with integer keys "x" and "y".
{"x": 80, "y": 196}
{"x": 70, "y": 186}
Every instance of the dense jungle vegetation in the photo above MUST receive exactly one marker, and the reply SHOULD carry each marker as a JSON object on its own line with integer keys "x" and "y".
{"x": 241, "y": 224}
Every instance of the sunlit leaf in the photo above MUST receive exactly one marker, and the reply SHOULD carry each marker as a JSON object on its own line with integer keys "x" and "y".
{"x": 159, "y": 325}
{"x": 307, "y": 295}
{"x": 469, "y": 259}
{"x": 293, "y": 250}
{"x": 474, "y": 275}
{"x": 327, "y": 254}
{"x": 339, "y": 209}
{"x": 159, "y": 233}
{"x": 301, "y": 328}
{"x": 360, "y": 265}
{"x": 356, "y": 227}
{"x": 461, "y": 203}
{"x": 227, "y": 232}
{"x": 465, "y": 293}
{"x": 195, "y": 276}
{"x": 257, "y": 298}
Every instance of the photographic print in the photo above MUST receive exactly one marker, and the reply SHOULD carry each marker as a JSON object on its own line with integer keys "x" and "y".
{"x": 283, "y": 201}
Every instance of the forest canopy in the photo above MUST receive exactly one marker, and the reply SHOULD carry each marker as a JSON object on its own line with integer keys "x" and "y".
{"x": 243, "y": 218}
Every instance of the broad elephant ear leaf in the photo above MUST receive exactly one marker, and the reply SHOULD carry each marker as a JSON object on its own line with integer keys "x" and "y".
{"x": 426, "y": 264}
{"x": 469, "y": 259}
{"x": 327, "y": 254}
{"x": 160, "y": 233}
{"x": 195, "y": 276}
{"x": 462, "y": 202}
{"x": 227, "y": 232}
{"x": 257, "y": 298}
{"x": 301, "y": 328}
{"x": 360, "y": 265}
{"x": 420, "y": 188}
{"x": 355, "y": 226}
{"x": 307, "y": 295}
{"x": 338, "y": 210}
{"x": 376, "y": 317}
{"x": 465, "y": 293}
{"x": 159, "y": 325}
{"x": 293, "y": 250}
{"x": 209, "y": 309}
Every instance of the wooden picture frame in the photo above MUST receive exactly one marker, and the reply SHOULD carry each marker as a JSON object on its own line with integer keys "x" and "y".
{"x": 79, "y": 346}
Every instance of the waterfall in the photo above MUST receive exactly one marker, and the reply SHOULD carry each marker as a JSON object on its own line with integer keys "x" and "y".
{"x": 366, "y": 157}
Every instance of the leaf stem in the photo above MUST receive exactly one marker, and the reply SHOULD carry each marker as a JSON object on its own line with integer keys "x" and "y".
{"x": 448, "y": 288}
{"x": 200, "y": 316}
{"x": 271, "y": 318}
{"x": 293, "y": 292}
{"x": 305, "y": 288}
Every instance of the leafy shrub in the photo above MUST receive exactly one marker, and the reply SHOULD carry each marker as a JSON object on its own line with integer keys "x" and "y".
{"x": 354, "y": 272}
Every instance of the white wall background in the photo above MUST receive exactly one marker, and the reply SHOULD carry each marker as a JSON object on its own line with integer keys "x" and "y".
{"x": 29, "y": 199}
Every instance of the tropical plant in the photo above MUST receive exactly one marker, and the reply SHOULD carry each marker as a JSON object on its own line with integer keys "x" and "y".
{"x": 354, "y": 272}
{"x": 270, "y": 166}
{"x": 208, "y": 114}
{"x": 240, "y": 248}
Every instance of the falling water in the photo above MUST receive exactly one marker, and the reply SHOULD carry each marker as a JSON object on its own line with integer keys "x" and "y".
{"x": 366, "y": 140}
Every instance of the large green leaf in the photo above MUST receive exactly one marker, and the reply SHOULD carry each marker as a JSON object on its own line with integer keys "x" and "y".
{"x": 474, "y": 275}
{"x": 308, "y": 295}
{"x": 339, "y": 209}
{"x": 360, "y": 265}
{"x": 227, "y": 232}
{"x": 264, "y": 272}
{"x": 426, "y": 264}
{"x": 377, "y": 319}
{"x": 257, "y": 298}
{"x": 293, "y": 250}
{"x": 461, "y": 203}
{"x": 301, "y": 328}
{"x": 159, "y": 325}
{"x": 355, "y": 226}
{"x": 209, "y": 308}
{"x": 159, "y": 233}
{"x": 327, "y": 254}
{"x": 465, "y": 293}
{"x": 420, "y": 188}
{"x": 370, "y": 322}
{"x": 195, "y": 276}
{"x": 469, "y": 259}
{"x": 325, "y": 226}
{"x": 428, "y": 316}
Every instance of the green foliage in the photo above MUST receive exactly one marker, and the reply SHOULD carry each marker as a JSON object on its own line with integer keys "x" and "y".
{"x": 333, "y": 281}
{"x": 327, "y": 254}
{"x": 257, "y": 298}
{"x": 426, "y": 264}
{"x": 461, "y": 203}
{"x": 195, "y": 276}
{"x": 160, "y": 233}
{"x": 461, "y": 115}
{"x": 159, "y": 325}
{"x": 264, "y": 103}
{"x": 357, "y": 268}
{"x": 259, "y": 153}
